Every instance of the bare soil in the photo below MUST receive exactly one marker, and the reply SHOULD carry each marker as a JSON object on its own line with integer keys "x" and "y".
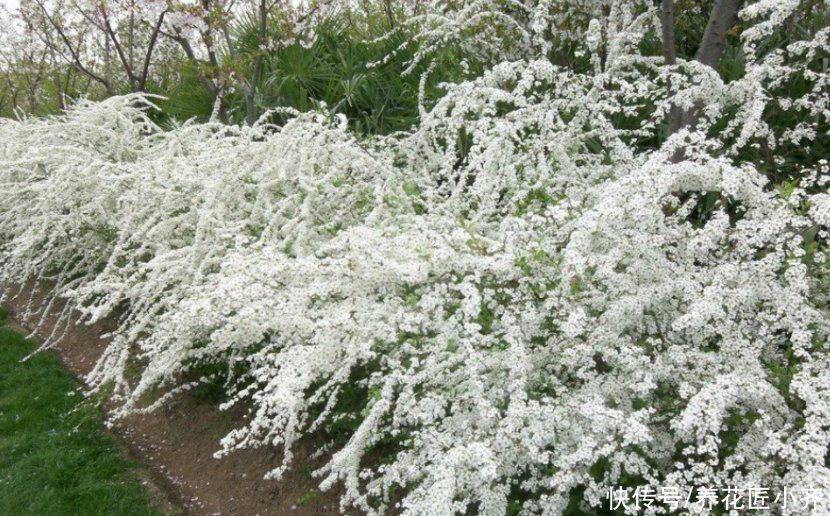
{"x": 175, "y": 445}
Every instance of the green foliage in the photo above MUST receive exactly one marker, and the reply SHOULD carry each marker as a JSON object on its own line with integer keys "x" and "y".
{"x": 336, "y": 70}
{"x": 185, "y": 97}
{"x": 54, "y": 457}
{"x": 307, "y": 498}
{"x": 345, "y": 68}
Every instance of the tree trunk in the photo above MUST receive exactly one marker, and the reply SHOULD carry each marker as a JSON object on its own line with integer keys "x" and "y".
{"x": 670, "y": 56}
{"x": 250, "y": 91}
{"x": 722, "y": 18}
{"x": 250, "y": 108}
{"x": 390, "y": 17}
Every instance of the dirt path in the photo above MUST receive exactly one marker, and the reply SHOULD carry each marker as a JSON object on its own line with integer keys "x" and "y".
{"x": 175, "y": 446}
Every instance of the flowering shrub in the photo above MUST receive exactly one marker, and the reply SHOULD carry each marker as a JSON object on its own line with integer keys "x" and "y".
{"x": 515, "y": 306}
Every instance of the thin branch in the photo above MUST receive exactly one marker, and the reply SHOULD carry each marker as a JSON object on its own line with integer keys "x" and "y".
{"x": 191, "y": 56}
{"x": 118, "y": 50}
{"x": 76, "y": 60}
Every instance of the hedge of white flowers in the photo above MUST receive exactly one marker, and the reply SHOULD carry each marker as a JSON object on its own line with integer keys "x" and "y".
{"x": 526, "y": 301}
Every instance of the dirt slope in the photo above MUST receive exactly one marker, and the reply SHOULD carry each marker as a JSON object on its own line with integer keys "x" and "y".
{"x": 175, "y": 445}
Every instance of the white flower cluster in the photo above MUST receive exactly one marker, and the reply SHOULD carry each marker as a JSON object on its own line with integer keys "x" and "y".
{"x": 518, "y": 304}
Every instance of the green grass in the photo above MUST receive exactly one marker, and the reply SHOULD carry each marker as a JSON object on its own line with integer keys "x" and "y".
{"x": 55, "y": 458}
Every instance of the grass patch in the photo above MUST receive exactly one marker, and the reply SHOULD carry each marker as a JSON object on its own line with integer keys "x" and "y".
{"x": 55, "y": 458}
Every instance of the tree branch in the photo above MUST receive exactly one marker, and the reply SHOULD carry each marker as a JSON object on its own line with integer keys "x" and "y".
{"x": 76, "y": 60}
{"x": 150, "y": 47}
{"x": 118, "y": 50}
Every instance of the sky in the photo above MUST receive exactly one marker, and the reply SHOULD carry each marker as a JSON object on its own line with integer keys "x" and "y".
{"x": 10, "y": 4}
